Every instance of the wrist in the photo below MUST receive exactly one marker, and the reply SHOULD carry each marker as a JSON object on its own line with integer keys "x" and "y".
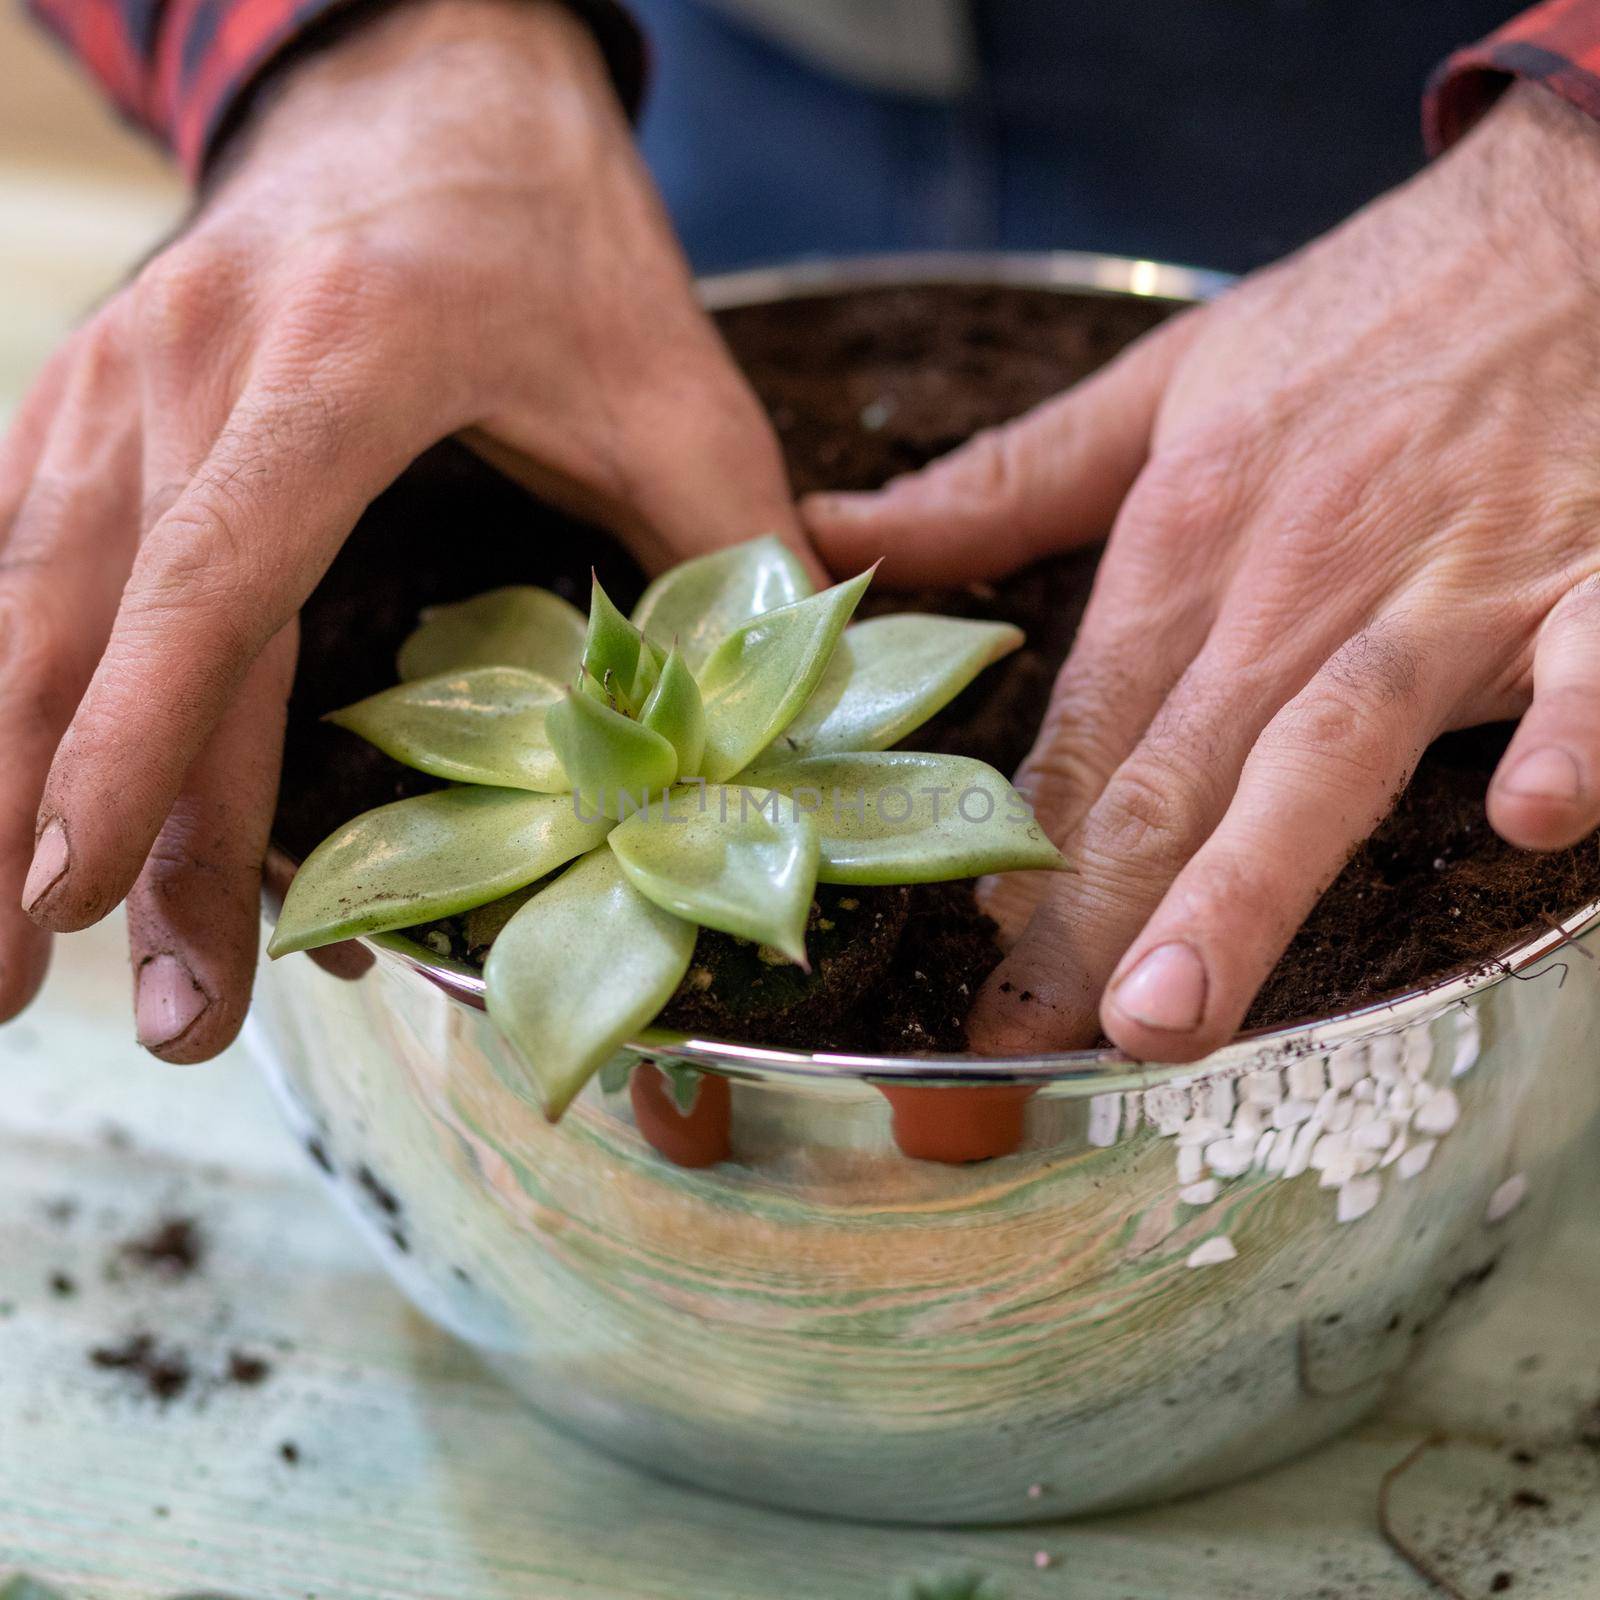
{"x": 439, "y": 55}
{"x": 1535, "y": 151}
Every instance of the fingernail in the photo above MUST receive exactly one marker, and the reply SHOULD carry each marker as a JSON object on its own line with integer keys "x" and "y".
{"x": 1166, "y": 990}
{"x": 49, "y": 864}
{"x": 1546, "y": 774}
{"x": 169, "y": 1001}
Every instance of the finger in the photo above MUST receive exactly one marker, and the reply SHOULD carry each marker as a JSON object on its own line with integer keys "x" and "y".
{"x": 218, "y": 575}
{"x": 1322, "y": 776}
{"x": 195, "y": 911}
{"x": 1546, "y": 792}
{"x": 1050, "y": 480}
{"x": 1156, "y": 811}
{"x": 61, "y": 560}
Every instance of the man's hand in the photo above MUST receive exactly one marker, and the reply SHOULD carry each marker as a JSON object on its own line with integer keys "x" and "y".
{"x": 438, "y": 225}
{"x": 1354, "y": 503}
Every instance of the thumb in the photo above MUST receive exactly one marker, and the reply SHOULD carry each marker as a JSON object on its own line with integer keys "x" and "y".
{"x": 1048, "y": 481}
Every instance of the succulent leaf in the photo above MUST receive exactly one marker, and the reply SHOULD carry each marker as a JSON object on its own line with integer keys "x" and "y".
{"x": 700, "y": 602}
{"x": 675, "y": 710}
{"x": 740, "y": 860}
{"x": 611, "y": 650}
{"x": 758, "y": 678}
{"x": 890, "y": 674}
{"x": 519, "y": 626}
{"x": 582, "y": 967}
{"x": 900, "y": 816}
{"x": 431, "y": 856}
{"x": 484, "y": 725}
{"x": 609, "y": 759}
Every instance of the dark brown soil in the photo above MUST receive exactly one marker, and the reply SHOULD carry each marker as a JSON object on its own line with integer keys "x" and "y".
{"x": 160, "y": 1373}
{"x": 173, "y": 1248}
{"x": 862, "y": 388}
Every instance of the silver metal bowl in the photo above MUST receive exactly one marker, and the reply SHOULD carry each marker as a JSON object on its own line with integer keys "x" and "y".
{"x": 1163, "y": 1278}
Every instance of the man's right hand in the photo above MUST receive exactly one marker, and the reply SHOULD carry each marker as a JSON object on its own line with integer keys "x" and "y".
{"x": 437, "y": 226}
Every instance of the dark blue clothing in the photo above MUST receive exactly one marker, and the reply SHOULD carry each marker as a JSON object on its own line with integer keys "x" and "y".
{"x": 1218, "y": 133}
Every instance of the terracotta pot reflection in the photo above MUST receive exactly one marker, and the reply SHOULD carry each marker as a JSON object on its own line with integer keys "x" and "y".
{"x": 700, "y": 1137}
{"x": 954, "y": 1125}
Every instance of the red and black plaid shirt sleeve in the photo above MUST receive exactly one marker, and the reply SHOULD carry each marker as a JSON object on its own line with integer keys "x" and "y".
{"x": 180, "y": 68}
{"x": 1556, "y": 44}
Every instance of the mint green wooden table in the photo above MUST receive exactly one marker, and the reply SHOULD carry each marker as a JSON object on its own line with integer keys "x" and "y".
{"x": 420, "y": 1477}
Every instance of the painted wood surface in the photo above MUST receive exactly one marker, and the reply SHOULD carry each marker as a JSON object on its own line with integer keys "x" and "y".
{"x": 420, "y": 1477}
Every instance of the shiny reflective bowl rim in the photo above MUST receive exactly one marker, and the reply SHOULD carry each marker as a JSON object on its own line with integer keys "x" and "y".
{"x": 1067, "y": 1072}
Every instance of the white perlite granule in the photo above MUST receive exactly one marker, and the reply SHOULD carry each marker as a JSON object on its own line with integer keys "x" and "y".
{"x": 1200, "y": 1194}
{"x": 1439, "y": 1113}
{"x": 1506, "y": 1199}
{"x": 1359, "y": 1196}
{"x": 1417, "y": 1157}
{"x": 1213, "y": 1253}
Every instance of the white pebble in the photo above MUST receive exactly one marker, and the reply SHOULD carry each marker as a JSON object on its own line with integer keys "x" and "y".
{"x": 1395, "y": 1151}
{"x": 1228, "y": 1158}
{"x": 1278, "y": 1160}
{"x": 1338, "y": 1172}
{"x": 1386, "y": 1057}
{"x": 1264, "y": 1147}
{"x": 1439, "y": 1113}
{"x": 1359, "y": 1196}
{"x": 1304, "y": 1142}
{"x": 1200, "y": 1130}
{"x": 1417, "y": 1157}
{"x": 1375, "y": 1135}
{"x": 1213, "y": 1253}
{"x": 1418, "y": 1053}
{"x": 1342, "y": 1115}
{"x": 1291, "y": 1113}
{"x": 1248, "y": 1122}
{"x": 1332, "y": 1146}
{"x": 1469, "y": 1042}
{"x": 1105, "y": 1119}
{"x": 1263, "y": 1088}
{"x": 1308, "y": 1077}
{"x": 1348, "y": 1068}
{"x": 1200, "y": 1194}
{"x": 1365, "y": 1091}
{"x": 1191, "y": 1163}
{"x": 1215, "y": 1099}
{"x": 1506, "y": 1199}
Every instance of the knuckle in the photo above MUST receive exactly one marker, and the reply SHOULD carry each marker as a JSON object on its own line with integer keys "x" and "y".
{"x": 190, "y": 569}
{"x": 1346, "y": 734}
{"x": 991, "y": 471}
{"x": 183, "y": 297}
{"x": 1141, "y": 816}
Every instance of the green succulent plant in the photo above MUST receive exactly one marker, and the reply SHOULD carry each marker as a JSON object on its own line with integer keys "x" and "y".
{"x": 705, "y": 763}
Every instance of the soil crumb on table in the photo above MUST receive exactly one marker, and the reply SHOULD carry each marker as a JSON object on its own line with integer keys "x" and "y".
{"x": 863, "y": 387}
